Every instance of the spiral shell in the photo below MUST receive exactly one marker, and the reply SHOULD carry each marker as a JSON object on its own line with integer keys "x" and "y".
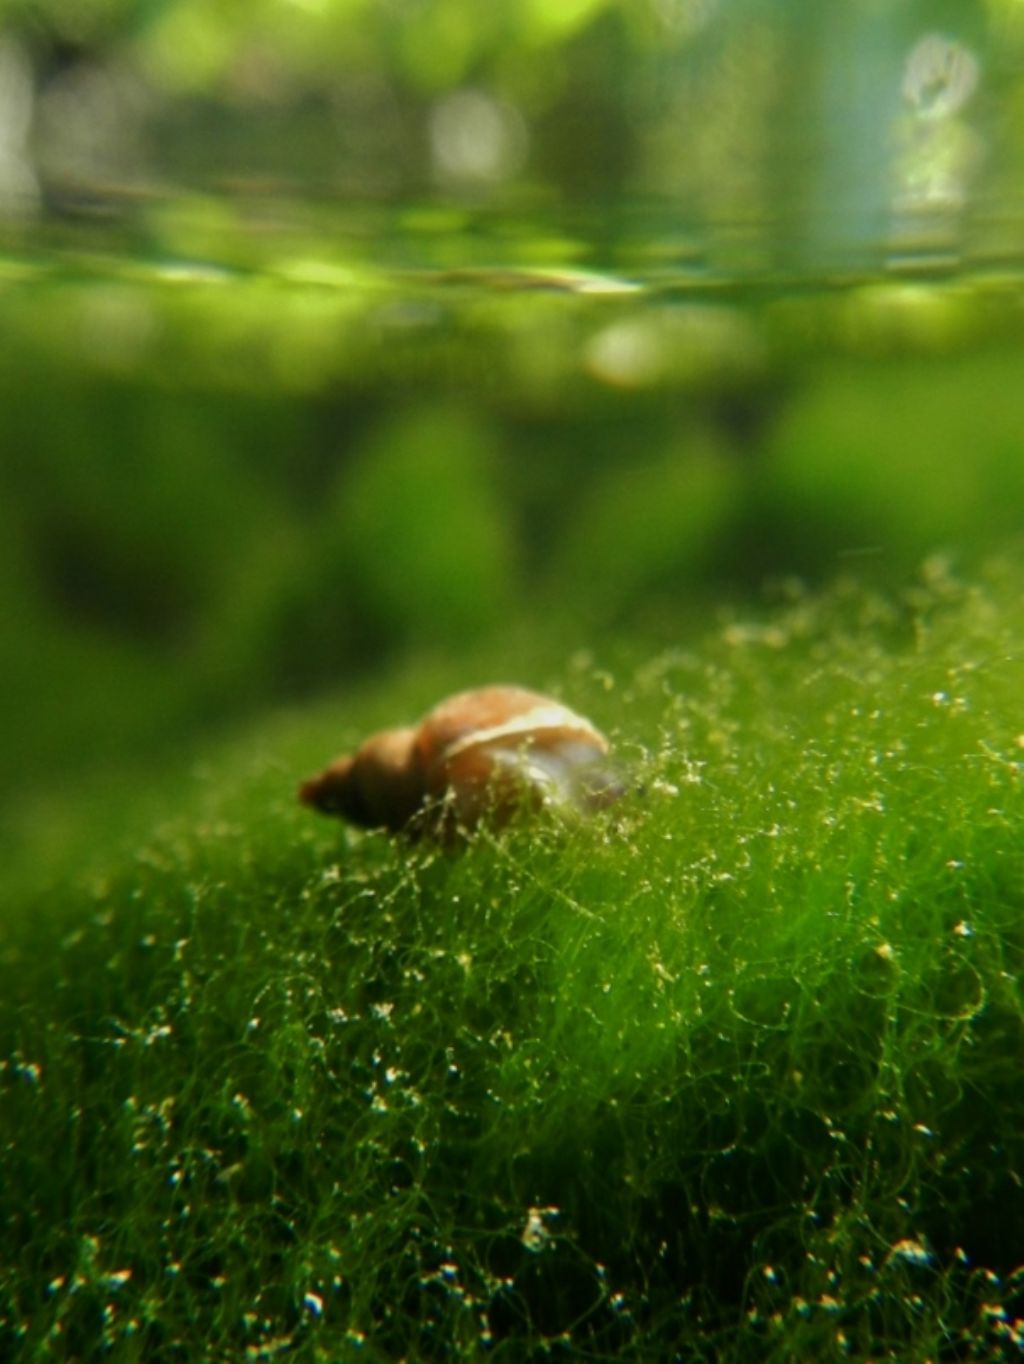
{"x": 482, "y": 754}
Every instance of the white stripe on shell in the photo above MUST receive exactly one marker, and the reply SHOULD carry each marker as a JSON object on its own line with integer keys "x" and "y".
{"x": 534, "y": 722}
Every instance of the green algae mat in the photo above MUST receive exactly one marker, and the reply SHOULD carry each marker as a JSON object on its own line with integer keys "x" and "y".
{"x": 730, "y": 1072}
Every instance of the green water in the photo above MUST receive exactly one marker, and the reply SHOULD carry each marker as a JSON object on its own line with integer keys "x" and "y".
{"x": 254, "y": 448}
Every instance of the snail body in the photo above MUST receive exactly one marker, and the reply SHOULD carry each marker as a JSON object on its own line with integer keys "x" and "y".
{"x": 478, "y": 755}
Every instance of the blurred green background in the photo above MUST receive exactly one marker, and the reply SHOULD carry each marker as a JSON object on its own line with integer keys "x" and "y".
{"x": 338, "y": 333}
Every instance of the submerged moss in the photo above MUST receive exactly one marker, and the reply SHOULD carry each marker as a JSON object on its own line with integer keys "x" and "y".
{"x": 731, "y": 1073}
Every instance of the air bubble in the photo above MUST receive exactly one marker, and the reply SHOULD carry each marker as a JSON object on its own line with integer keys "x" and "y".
{"x": 535, "y": 1235}
{"x": 913, "y": 1252}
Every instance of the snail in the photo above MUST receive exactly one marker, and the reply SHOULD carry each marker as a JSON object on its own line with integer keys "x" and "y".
{"x": 479, "y": 755}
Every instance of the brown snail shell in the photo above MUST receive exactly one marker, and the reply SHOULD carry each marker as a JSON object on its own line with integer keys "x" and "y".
{"x": 482, "y": 754}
